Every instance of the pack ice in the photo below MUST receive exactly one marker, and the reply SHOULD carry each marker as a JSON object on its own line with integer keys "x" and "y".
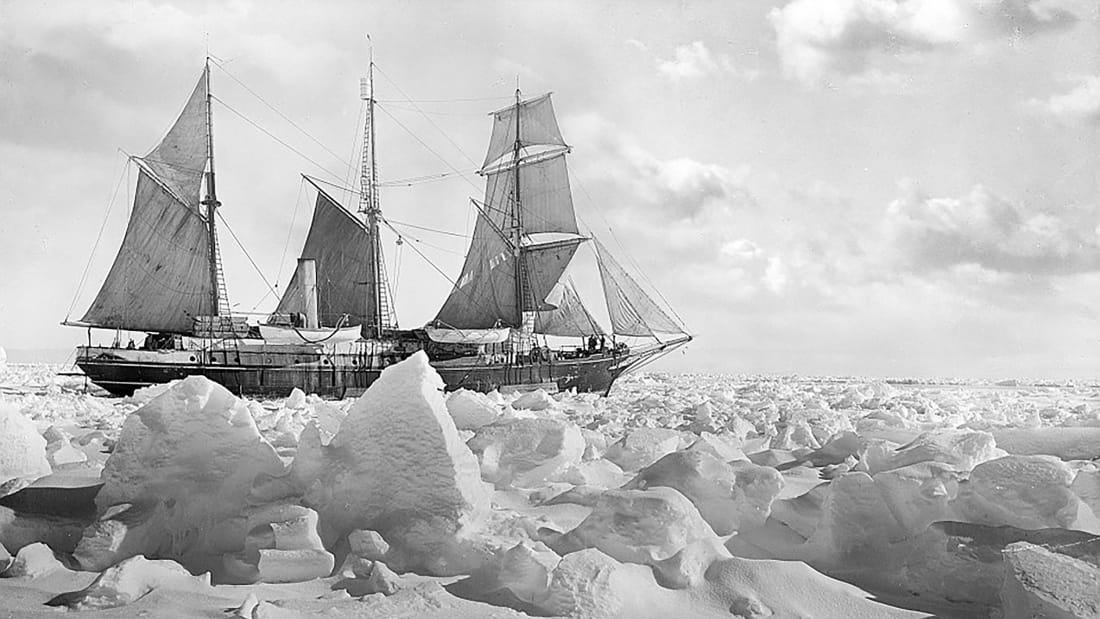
{"x": 708, "y": 496}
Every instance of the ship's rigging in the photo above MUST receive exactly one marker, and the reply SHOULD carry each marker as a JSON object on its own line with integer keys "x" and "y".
{"x": 168, "y": 278}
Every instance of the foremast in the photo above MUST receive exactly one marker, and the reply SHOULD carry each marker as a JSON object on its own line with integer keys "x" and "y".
{"x": 218, "y": 299}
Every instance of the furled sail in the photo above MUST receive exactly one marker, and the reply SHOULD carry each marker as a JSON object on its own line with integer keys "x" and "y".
{"x": 485, "y": 294}
{"x": 180, "y": 158}
{"x": 570, "y": 318}
{"x": 632, "y": 311}
{"x": 339, "y": 244}
{"x": 538, "y": 130}
{"x": 161, "y": 276}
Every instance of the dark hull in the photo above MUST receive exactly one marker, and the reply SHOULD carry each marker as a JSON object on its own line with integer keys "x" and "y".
{"x": 274, "y": 375}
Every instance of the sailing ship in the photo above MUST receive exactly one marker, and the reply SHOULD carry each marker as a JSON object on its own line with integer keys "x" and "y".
{"x": 334, "y": 329}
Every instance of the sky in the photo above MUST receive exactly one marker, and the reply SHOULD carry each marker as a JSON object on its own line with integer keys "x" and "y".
{"x": 825, "y": 187}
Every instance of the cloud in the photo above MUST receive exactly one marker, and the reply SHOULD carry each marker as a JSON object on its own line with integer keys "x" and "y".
{"x": 983, "y": 229}
{"x": 693, "y": 61}
{"x": 1079, "y": 105}
{"x": 667, "y": 189}
{"x": 97, "y": 74}
{"x": 820, "y": 38}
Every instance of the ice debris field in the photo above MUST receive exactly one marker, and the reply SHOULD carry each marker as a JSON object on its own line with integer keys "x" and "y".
{"x": 677, "y": 496}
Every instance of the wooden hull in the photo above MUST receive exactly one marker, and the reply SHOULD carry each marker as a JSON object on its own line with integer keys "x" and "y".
{"x": 274, "y": 372}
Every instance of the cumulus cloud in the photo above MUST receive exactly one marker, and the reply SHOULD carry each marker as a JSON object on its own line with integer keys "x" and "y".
{"x": 818, "y": 38}
{"x": 1081, "y": 104}
{"x": 668, "y": 189}
{"x": 991, "y": 232}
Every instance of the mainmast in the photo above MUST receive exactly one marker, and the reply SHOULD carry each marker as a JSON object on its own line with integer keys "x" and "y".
{"x": 211, "y": 200}
{"x": 517, "y": 220}
{"x": 369, "y": 202}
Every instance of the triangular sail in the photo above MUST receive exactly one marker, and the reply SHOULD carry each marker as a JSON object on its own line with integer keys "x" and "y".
{"x": 161, "y": 276}
{"x": 180, "y": 158}
{"x": 485, "y": 294}
{"x": 545, "y": 263}
{"x": 631, "y": 310}
{"x": 339, "y": 244}
{"x": 570, "y": 319}
{"x": 538, "y": 130}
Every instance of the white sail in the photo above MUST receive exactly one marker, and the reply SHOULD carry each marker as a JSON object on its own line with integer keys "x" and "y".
{"x": 180, "y": 159}
{"x": 160, "y": 279}
{"x": 538, "y": 131}
{"x": 570, "y": 318}
{"x": 632, "y": 311}
{"x": 486, "y": 294}
{"x": 338, "y": 242}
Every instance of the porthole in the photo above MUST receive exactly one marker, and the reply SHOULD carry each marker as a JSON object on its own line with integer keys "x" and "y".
{"x": 192, "y": 358}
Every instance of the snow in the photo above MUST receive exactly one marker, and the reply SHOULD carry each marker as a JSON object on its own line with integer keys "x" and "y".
{"x": 471, "y": 410}
{"x": 689, "y": 495}
{"x": 1041, "y": 583}
{"x": 22, "y": 451}
{"x": 524, "y": 452}
{"x": 32, "y": 561}
{"x": 397, "y": 466}
{"x": 130, "y": 580}
{"x": 180, "y": 473}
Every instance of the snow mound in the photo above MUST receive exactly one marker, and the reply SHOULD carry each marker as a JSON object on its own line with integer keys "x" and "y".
{"x": 537, "y": 400}
{"x": 525, "y": 452}
{"x": 1027, "y": 492}
{"x": 728, "y": 497}
{"x": 658, "y": 527}
{"x": 22, "y": 451}
{"x": 296, "y": 399}
{"x": 962, "y": 448}
{"x": 642, "y": 447}
{"x": 397, "y": 466}
{"x": 177, "y": 483}
{"x": 32, "y": 561}
{"x": 471, "y": 410}
{"x": 129, "y": 581}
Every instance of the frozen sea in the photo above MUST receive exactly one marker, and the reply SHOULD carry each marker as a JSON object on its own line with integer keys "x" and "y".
{"x": 805, "y": 496}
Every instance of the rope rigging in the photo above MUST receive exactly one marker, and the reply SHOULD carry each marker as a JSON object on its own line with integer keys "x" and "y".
{"x": 123, "y": 173}
{"x": 274, "y": 137}
{"x": 246, "y": 254}
{"x": 274, "y": 109}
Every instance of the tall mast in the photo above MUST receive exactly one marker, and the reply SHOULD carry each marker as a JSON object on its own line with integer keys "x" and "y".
{"x": 517, "y": 221}
{"x": 211, "y": 200}
{"x": 369, "y": 202}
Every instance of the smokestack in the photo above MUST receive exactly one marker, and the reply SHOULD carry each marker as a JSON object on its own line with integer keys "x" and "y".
{"x": 307, "y": 278}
